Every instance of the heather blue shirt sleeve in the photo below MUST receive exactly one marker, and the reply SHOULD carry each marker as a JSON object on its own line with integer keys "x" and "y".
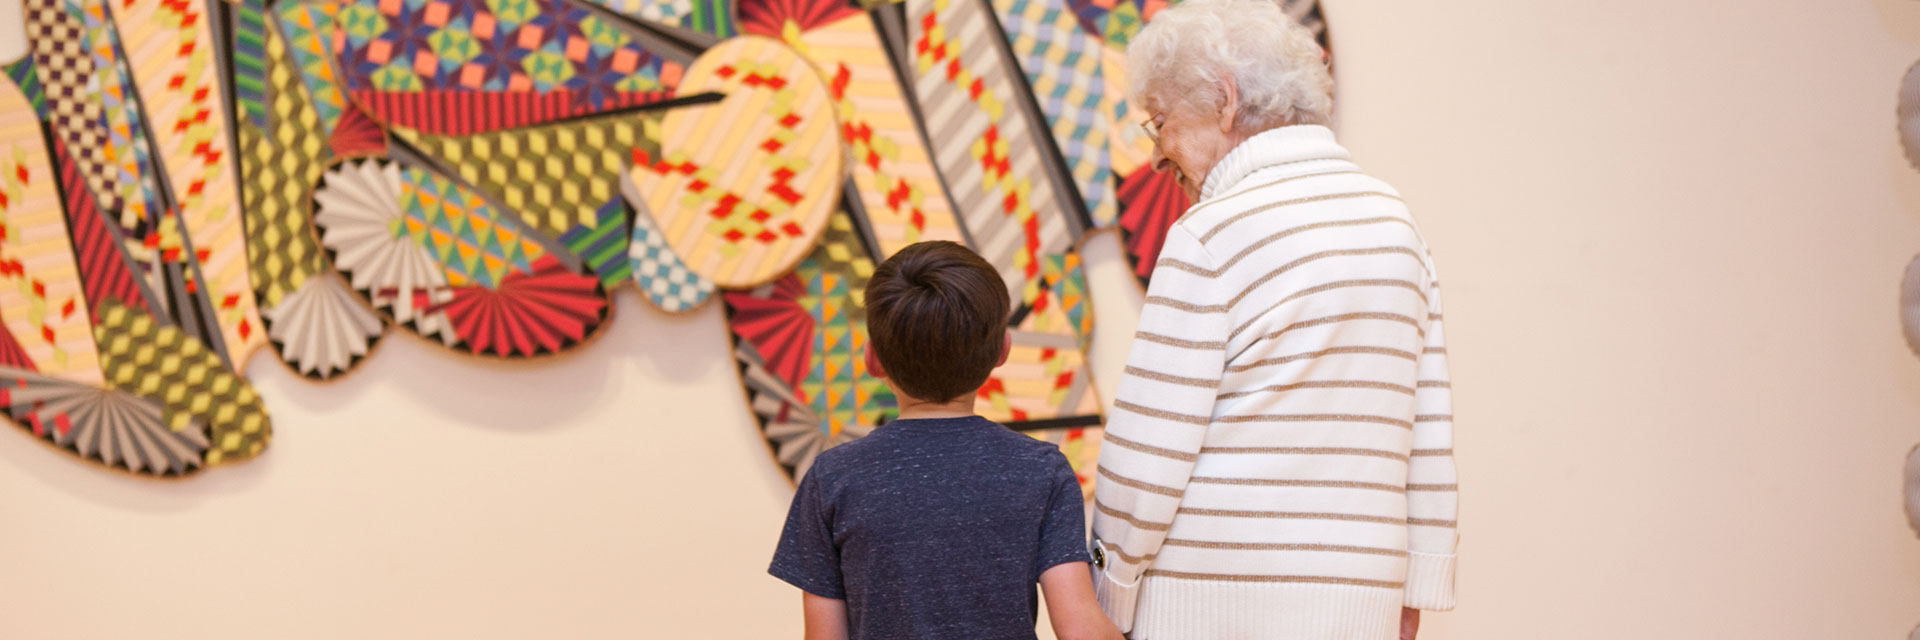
{"x": 1063, "y": 535}
{"x": 806, "y": 557}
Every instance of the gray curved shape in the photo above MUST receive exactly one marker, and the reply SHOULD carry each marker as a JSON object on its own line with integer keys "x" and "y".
{"x": 1912, "y": 492}
{"x": 1908, "y": 111}
{"x": 1910, "y": 305}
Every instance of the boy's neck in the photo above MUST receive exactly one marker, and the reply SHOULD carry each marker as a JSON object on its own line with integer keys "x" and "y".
{"x": 915, "y": 409}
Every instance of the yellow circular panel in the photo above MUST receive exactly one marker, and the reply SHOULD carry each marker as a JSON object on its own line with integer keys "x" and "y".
{"x": 742, "y": 188}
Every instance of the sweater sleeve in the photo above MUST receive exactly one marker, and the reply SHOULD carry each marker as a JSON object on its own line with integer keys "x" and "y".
{"x": 1160, "y": 417}
{"x": 1432, "y": 489}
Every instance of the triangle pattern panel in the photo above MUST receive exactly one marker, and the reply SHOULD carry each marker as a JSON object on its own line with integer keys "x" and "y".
{"x": 800, "y": 343}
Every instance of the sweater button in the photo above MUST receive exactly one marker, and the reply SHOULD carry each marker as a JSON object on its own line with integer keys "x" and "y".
{"x": 1099, "y": 558}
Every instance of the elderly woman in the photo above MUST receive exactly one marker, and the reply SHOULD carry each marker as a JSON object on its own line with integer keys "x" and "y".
{"x": 1278, "y": 462}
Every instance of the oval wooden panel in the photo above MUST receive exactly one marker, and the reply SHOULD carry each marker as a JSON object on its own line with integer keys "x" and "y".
{"x": 743, "y": 187}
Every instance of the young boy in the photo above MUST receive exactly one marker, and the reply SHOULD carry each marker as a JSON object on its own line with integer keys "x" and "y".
{"x": 938, "y": 524}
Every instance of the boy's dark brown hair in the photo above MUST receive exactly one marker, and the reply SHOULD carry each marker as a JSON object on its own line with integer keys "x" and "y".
{"x": 937, "y": 315}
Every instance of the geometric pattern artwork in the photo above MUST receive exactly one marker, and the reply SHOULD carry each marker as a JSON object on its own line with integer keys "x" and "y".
{"x": 444, "y": 264}
{"x": 467, "y": 66}
{"x": 116, "y": 429}
{"x": 901, "y": 193}
{"x": 162, "y": 363}
{"x": 182, "y": 182}
{"x": 663, "y": 278}
{"x": 1063, "y": 65}
{"x": 312, "y": 321}
{"x": 801, "y": 343}
{"x": 40, "y": 286}
{"x": 1150, "y": 202}
{"x": 179, "y": 89}
{"x": 742, "y": 188}
{"x": 710, "y": 17}
{"x": 986, "y": 148}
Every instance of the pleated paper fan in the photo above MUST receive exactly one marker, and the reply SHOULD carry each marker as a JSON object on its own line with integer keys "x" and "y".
{"x": 322, "y": 329}
{"x": 446, "y": 265}
{"x": 528, "y": 314}
{"x": 357, "y": 209}
{"x": 110, "y": 427}
{"x": 1150, "y": 202}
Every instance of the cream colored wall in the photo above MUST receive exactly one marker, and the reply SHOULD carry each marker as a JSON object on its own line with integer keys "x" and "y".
{"x": 1671, "y": 235}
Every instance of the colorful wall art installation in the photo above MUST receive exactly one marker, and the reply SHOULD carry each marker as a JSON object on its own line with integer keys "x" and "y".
{"x": 184, "y": 183}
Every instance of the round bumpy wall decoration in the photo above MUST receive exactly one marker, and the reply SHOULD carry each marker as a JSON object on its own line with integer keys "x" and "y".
{"x": 1909, "y": 114}
{"x": 1912, "y": 492}
{"x": 1910, "y": 305}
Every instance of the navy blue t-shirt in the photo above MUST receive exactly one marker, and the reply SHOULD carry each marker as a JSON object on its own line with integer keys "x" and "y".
{"x": 934, "y": 529}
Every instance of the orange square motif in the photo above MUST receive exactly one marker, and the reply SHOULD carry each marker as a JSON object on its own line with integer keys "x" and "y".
{"x": 483, "y": 24}
{"x": 425, "y": 63}
{"x": 473, "y": 76}
{"x": 577, "y": 49}
{"x": 530, "y": 36}
{"x": 625, "y": 60}
{"x": 380, "y": 51}
{"x": 436, "y": 14}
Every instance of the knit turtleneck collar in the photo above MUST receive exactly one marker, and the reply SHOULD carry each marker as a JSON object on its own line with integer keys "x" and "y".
{"x": 1284, "y": 145}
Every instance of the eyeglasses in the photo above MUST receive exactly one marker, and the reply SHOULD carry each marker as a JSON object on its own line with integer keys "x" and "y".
{"x": 1152, "y": 127}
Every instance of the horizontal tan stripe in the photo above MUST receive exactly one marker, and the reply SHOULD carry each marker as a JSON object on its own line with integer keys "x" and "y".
{"x": 1436, "y": 384}
{"x": 1428, "y": 453}
{"x": 1182, "y": 265}
{"x": 1337, "y": 253}
{"x": 1436, "y": 317}
{"x": 1144, "y": 525}
{"x": 1176, "y": 342}
{"x": 1163, "y": 415}
{"x": 1143, "y": 486}
{"x": 1433, "y": 487}
{"x": 1203, "y": 272}
{"x": 1288, "y": 203}
{"x": 1332, "y": 286}
{"x": 1438, "y": 350}
{"x": 1448, "y": 524}
{"x": 1317, "y": 417}
{"x": 1290, "y": 515}
{"x": 1209, "y": 204}
{"x": 1172, "y": 379}
{"x": 1124, "y": 443}
{"x": 1283, "y": 546}
{"x": 1130, "y": 558}
{"x": 1302, "y": 451}
{"x": 1310, "y": 484}
{"x": 1336, "y": 351}
{"x": 1222, "y": 577}
{"x": 1326, "y": 384}
{"x": 1184, "y": 306}
{"x": 1345, "y": 317}
{"x": 1433, "y": 418}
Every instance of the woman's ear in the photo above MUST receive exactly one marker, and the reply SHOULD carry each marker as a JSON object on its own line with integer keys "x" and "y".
{"x": 874, "y": 368}
{"x": 1229, "y": 103}
{"x": 1006, "y": 347}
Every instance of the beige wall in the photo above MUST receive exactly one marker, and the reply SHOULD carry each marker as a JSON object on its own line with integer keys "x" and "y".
{"x": 1671, "y": 234}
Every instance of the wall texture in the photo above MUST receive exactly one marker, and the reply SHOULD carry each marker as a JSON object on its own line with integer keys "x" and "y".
{"x": 1671, "y": 235}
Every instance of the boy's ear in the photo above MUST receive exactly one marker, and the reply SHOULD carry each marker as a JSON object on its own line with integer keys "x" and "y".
{"x": 1006, "y": 347}
{"x": 874, "y": 368}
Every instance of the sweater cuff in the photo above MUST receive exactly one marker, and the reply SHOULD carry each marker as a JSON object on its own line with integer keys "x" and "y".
{"x": 1117, "y": 599}
{"x": 1430, "y": 581}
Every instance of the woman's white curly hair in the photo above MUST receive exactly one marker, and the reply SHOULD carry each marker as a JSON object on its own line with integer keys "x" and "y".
{"x": 1280, "y": 71}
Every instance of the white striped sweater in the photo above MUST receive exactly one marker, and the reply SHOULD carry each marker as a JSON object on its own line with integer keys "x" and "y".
{"x": 1279, "y": 460}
